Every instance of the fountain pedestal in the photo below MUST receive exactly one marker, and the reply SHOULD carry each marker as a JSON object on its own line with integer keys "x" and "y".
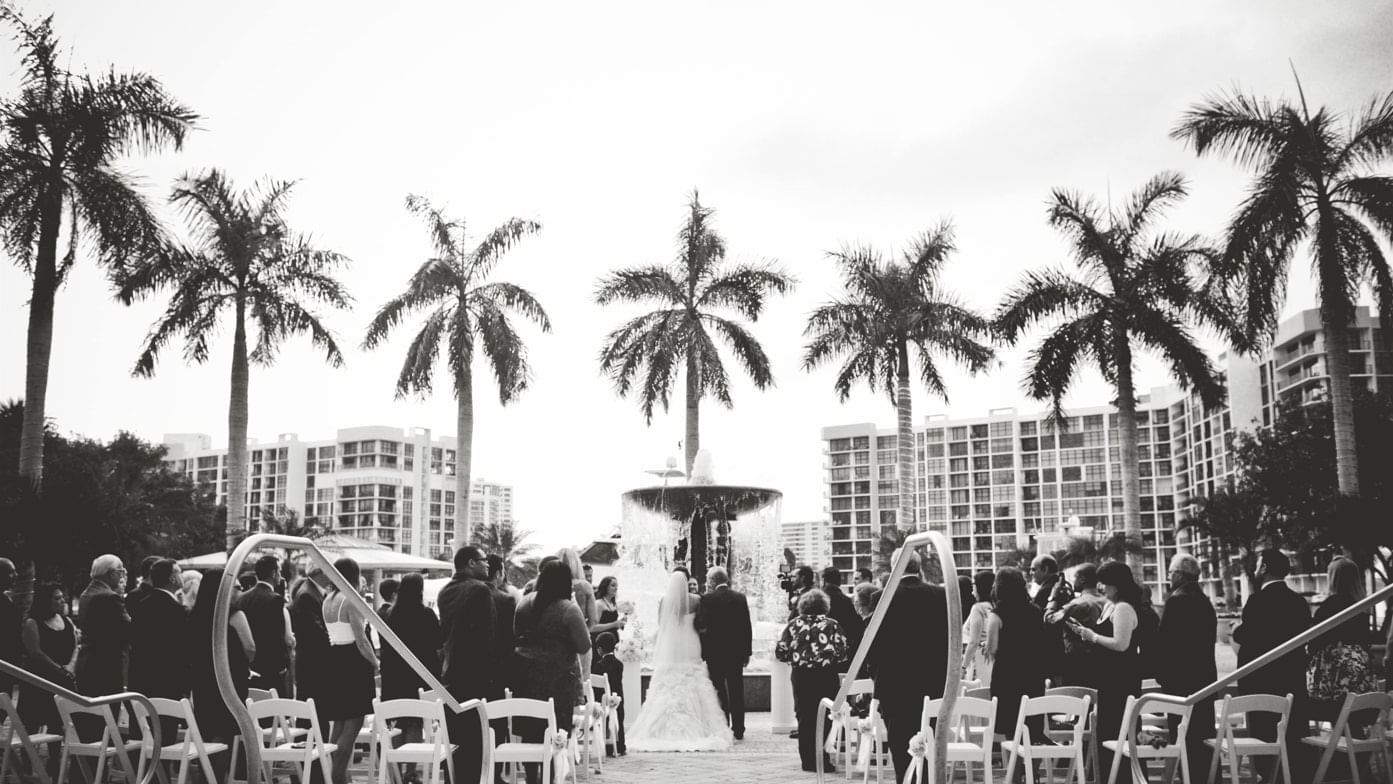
{"x": 781, "y": 716}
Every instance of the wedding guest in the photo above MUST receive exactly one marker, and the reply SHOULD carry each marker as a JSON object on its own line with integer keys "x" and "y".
{"x": 50, "y": 645}
{"x": 271, "y": 627}
{"x": 608, "y": 665}
{"x": 1015, "y": 636}
{"x": 584, "y": 597}
{"x": 350, "y": 668}
{"x": 1271, "y": 616}
{"x": 909, "y": 658}
{"x": 863, "y": 599}
{"x": 607, "y": 598}
{"x": 693, "y": 587}
{"x": 1339, "y": 660}
{"x": 1077, "y": 667}
{"x": 142, "y": 589}
{"x": 214, "y": 721}
{"x": 1185, "y": 656}
{"x": 1050, "y": 584}
{"x": 552, "y": 636}
{"x": 504, "y": 609}
{"x": 11, "y": 649}
{"x": 387, "y": 594}
{"x": 106, "y": 637}
{"x": 311, "y": 639}
{"x": 468, "y": 626}
{"x": 159, "y": 664}
{"x": 418, "y": 627}
{"x": 188, "y": 588}
{"x": 842, "y": 610}
{"x": 1117, "y": 637}
{"x": 589, "y": 573}
{"x": 977, "y": 666}
{"x": 815, "y": 647}
{"x": 864, "y": 575}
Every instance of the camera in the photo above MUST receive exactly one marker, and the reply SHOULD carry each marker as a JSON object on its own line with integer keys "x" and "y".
{"x": 786, "y": 583}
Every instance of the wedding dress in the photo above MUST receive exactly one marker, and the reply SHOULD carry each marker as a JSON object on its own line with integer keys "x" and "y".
{"x": 682, "y": 712}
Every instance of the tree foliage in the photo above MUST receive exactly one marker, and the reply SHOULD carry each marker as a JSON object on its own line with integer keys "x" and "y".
{"x": 505, "y": 540}
{"x": 99, "y": 497}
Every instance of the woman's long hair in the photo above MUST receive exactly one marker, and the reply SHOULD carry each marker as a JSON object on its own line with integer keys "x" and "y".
{"x": 43, "y": 607}
{"x": 1009, "y": 589}
{"x": 411, "y": 592}
{"x": 349, "y": 569}
{"x": 1119, "y": 576}
{"x": 571, "y": 558}
{"x": 602, "y": 591}
{"x": 553, "y": 584}
{"x": 1345, "y": 580}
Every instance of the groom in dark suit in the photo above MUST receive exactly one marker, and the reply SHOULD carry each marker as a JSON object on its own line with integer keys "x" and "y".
{"x": 723, "y": 621}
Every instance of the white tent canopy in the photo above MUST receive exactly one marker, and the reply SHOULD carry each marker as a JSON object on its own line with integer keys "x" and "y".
{"x": 369, "y": 555}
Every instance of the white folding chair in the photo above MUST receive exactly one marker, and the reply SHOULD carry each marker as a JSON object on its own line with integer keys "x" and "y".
{"x": 110, "y": 744}
{"x": 185, "y": 748}
{"x": 587, "y": 730}
{"x": 1233, "y": 747}
{"x": 1030, "y": 749}
{"x": 1136, "y": 716}
{"x": 609, "y": 736}
{"x": 1090, "y": 736}
{"x": 844, "y": 730}
{"x": 515, "y": 753}
{"x": 433, "y": 752}
{"x": 282, "y": 746}
{"x": 972, "y": 718}
{"x": 873, "y": 745}
{"x": 267, "y": 727}
{"x": 1341, "y": 736}
{"x": 17, "y": 738}
{"x": 367, "y": 740}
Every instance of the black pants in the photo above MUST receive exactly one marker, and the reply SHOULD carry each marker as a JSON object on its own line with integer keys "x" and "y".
{"x": 463, "y": 729}
{"x": 729, "y": 679}
{"x": 809, "y": 687}
{"x": 1201, "y": 727}
{"x": 902, "y": 720}
{"x": 1264, "y": 727}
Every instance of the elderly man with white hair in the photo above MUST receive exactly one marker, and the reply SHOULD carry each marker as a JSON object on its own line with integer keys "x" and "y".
{"x": 1185, "y": 663}
{"x": 106, "y": 637}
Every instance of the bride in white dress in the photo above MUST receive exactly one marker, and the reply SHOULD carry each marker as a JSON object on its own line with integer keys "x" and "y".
{"x": 682, "y": 712}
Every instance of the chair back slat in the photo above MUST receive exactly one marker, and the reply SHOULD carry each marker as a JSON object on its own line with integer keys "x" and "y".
{"x": 521, "y": 708}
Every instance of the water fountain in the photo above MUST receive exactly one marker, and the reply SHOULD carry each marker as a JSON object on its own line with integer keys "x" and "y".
{"x": 701, "y": 525}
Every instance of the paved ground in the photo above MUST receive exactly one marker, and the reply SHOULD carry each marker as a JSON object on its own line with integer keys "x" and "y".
{"x": 761, "y": 757}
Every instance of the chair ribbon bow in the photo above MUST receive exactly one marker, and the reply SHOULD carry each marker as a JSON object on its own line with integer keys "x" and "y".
{"x": 561, "y": 755}
{"x": 865, "y": 739}
{"x": 612, "y": 714}
{"x": 918, "y": 750}
{"x": 839, "y": 721}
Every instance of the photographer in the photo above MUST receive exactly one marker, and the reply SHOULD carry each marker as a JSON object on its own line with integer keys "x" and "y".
{"x": 800, "y": 583}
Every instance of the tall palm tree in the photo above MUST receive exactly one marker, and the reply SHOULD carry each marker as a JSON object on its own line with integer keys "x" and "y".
{"x": 649, "y": 349}
{"x": 892, "y": 306}
{"x": 60, "y": 137}
{"x": 242, "y": 260}
{"x": 464, "y": 309}
{"x": 1134, "y": 292}
{"x": 1313, "y": 182}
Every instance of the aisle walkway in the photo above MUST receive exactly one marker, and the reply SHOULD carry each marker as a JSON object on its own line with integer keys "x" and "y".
{"x": 762, "y": 757}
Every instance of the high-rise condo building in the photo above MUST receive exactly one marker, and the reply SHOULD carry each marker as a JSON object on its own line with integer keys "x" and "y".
{"x": 809, "y": 540}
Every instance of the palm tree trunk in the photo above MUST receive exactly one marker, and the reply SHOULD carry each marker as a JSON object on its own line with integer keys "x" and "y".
{"x": 904, "y": 441}
{"x": 464, "y": 454}
{"x": 692, "y": 444}
{"x": 1127, "y": 430}
{"x": 237, "y": 432}
{"x": 40, "y": 341}
{"x": 1341, "y": 404}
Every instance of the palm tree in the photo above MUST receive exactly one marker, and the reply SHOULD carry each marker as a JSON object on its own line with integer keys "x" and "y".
{"x": 1312, "y": 183}
{"x": 503, "y": 539}
{"x": 59, "y": 139}
{"x": 464, "y": 308}
{"x": 890, "y": 307}
{"x": 651, "y": 347}
{"x": 242, "y": 260}
{"x": 1135, "y": 292}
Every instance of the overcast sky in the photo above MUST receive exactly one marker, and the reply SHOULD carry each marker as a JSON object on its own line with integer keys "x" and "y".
{"x": 805, "y": 125}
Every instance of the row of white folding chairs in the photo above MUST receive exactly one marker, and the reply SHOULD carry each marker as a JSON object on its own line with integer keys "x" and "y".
{"x": 512, "y": 752}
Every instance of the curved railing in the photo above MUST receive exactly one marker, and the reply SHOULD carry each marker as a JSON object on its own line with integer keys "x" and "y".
{"x": 251, "y": 733}
{"x": 39, "y": 771}
{"x": 953, "y": 680}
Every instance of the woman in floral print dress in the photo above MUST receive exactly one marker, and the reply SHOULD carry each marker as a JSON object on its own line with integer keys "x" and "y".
{"x": 813, "y": 644}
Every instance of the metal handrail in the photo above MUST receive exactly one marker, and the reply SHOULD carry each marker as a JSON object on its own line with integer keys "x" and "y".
{"x": 222, "y": 612}
{"x": 30, "y": 678}
{"x": 952, "y": 681}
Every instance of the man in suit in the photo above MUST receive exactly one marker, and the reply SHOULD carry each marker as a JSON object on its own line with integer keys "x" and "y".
{"x": 723, "y": 621}
{"x": 311, "y": 644}
{"x": 909, "y": 658}
{"x": 143, "y": 589}
{"x": 504, "y": 608}
{"x": 1271, "y": 616}
{"x": 1186, "y": 658}
{"x": 843, "y": 612}
{"x": 106, "y": 637}
{"x": 269, "y": 620}
{"x": 1051, "y": 585}
{"x": 159, "y": 656}
{"x": 469, "y": 626}
{"x": 11, "y": 649}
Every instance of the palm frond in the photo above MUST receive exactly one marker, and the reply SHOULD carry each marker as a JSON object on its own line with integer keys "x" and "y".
{"x": 928, "y": 252}
{"x": 1370, "y": 137}
{"x": 136, "y": 114}
{"x": 1252, "y": 130}
{"x": 715, "y": 382}
{"x": 1080, "y": 219}
{"x": 418, "y": 367}
{"x": 651, "y": 284}
{"x": 700, "y": 248}
{"x": 1190, "y": 364}
{"x": 1054, "y": 363}
{"x": 124, "y": 228}
{"x": 492, "y": 247}
{"x": 1147, "y": 202}
{"x": 837, "y": 328}
{"x": 1043, "y": 294}
{"x": 509, "y": 296}
{"x": 746, "y": 348}
{"x": 744, "y": 288}
{"x": 433, "y": 282}
{"x": 439, "y": 227}
{"x": 504, "y": 349}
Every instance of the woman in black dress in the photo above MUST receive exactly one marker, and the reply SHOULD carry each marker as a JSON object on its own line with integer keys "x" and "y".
{"x": 1115, "y": 639}
{"x": 214, "y": 720}
{"x": 50, "y": 652}
{"x": 1015, "y": 636}
{"x": 418, "y": 627}
{"x": 606, "y": 598}
{"x": 350, "y": 667}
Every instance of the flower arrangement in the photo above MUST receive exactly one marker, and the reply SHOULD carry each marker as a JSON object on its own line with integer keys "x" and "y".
{"x": 625, "y": 607}
{"x": 918, "y": 746}
{"x": 559, "y": 740}
{"x": 634, "y": 647}
{"x": 613, "y": 701}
